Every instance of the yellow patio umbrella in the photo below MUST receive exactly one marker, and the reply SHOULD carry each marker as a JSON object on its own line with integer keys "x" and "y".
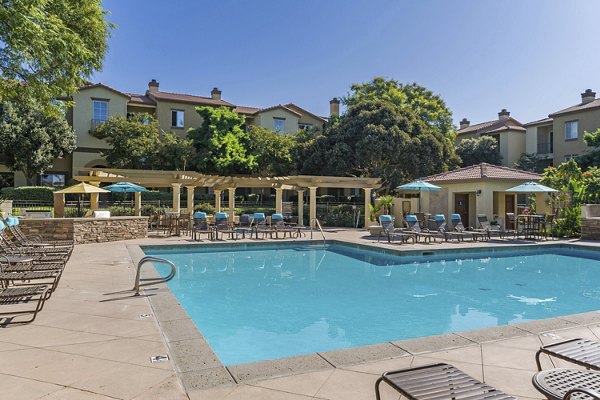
{"x": 80, "y": 189}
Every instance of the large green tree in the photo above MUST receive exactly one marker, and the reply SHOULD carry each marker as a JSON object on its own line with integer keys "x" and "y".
{"x": 48, "y": 48}
{"x": 379, "y": 138}
{"x": 592, "y": 157}
{"x": 173, "y": 153}
{"x": 31, "y": 139}
{"x": 221, "y": 143}
{"x": 478, "y": 150}
{"x": 273, "y": 152}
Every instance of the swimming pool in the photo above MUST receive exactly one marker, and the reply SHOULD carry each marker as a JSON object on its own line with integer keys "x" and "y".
{"x": 270, "y": 301}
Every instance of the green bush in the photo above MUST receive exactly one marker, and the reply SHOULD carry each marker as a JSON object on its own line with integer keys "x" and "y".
{"x": 253, "y": 197}
{"x": 35, "y": 193}
{"x": 149, "y": 209}
{"x": 119, "y": 211}
{"x": 339, "y": 216}
{"x": 326, "y": 198}
{"x": 205, "y": 207}
{"x": 569, "y": 225}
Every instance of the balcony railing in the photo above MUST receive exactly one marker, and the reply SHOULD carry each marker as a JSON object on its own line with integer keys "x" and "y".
{"x": 544, "y": 148}
{"x": 96, "y": 123}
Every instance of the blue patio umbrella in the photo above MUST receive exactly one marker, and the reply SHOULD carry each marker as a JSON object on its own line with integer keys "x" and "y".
{"x": 419, "y": 186}
{"x": 125, "y": 187}
{"x": 531, "y": 187}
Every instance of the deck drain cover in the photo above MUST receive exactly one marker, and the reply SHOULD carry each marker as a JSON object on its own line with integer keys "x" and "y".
{"x": 160, "y": 358}
{"x": 142, "y": 316}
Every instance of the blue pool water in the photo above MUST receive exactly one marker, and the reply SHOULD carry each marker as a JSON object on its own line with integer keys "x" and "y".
{"x": 258, "y": 303}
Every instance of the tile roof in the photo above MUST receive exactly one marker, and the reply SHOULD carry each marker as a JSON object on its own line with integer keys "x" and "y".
{"x": 140, "y": 99}
{"x": 539, "y": 122}
{"x": 188, "y": 98}
{"x": 280, "y": 106}
{"x": 493, "y": 126}
{"x": 483, "y": 171}
{"x": 304, "y": 111}
{"x": 578, "y": 107}
{"x": 90, "y": 85}
{"x": 246, "y": 110}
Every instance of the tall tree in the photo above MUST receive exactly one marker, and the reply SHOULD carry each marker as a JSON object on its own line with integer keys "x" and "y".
{"x": 477, "y": 150}
{"x": 173, "y": 153}
{"x": 31, "y": 139}
{"x": 221, "y": 143}
{"x": 273, "y": 152}
{"x": 49, "y": 48}
{"x": 590, "y": 158}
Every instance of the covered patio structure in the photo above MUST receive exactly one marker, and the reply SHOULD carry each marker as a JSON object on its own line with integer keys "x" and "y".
{"x": 191, "y": 180}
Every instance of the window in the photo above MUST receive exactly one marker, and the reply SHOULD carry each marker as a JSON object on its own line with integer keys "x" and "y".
{"x": 100, "y": 110}
{"x": 570, "y": 157}
{"x": 279, "y": 125}
{"x": 54, "y": 179}
{"x": 571, "y": 130}
{"x": 177, "y": 118}
{"x": 305, "y": 127}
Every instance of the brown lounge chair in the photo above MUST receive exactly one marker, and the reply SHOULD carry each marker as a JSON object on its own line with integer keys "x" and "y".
{"x": 387, "y": 223}
{"x": 579, "y": 351}
{"x": 16, "y": 296}
{"x": 414, "y": 228}
{"x": 458, "y": 226}
{"x": 487, "y": 227}
{"x": 438, "y": 382}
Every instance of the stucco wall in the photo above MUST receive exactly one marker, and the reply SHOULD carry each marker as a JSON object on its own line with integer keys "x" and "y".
{"x": 587, "y": 121}
{"x": 191, "y": 119}
{"x": 265, "y": 119}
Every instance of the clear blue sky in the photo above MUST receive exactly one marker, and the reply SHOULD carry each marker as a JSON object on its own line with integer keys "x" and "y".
{"x": 532, "y": 57}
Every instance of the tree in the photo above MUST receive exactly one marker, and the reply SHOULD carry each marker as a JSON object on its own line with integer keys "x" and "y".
{"x": 132, "y": 143}
{"x": 592, "y": 157}
{"x": 31, "y": 139}
{"x": 477, "y": 150}
{"x": 49, "y": 48}
{"x": 532, "y": 162}
{"x": 378, "y": 138}
{"x": 221, "y": 143}
{"x": 173, "y": 153}
{"x": 274, "y": 153}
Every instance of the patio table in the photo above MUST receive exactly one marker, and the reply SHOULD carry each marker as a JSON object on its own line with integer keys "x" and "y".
{"x": 530, "y": 224}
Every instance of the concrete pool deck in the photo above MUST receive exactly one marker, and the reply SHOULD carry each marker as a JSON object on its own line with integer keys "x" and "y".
{"x": 90, "y": 344}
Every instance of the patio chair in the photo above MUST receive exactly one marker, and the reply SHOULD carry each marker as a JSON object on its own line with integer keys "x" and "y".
{"x": 185, "y": 222}
{"x": 200, "y": 226}
{"x": 578, "y": 351}
{"x": 564, "y": 384}
{"x": 442, "y": 227}
{"x": 32, "y": 240}
{"x": 8, "y": 278}
{"x": 496, "y": 230}
{"x": 16, "y": 296}
{"x": 458, "y": 226}
{"x": 278, "y": 225}
{"x": 222, "y": 226}
{"x": 512, "y": 220}
{"x": 440, "y": 382}
{"x": 260, "y": 225}
{"x": 387, "y": 223}
{"x": 8, "y": 247}
{"x": 245, "y": 226}
{"x": 413, "y": 225}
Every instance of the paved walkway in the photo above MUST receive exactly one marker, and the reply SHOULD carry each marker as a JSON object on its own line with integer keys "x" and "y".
{"x": 84, "y": 347}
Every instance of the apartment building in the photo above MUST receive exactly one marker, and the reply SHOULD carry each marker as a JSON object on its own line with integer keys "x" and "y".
{"x": 96, "y": 103}
{"x": 508, "y": 132}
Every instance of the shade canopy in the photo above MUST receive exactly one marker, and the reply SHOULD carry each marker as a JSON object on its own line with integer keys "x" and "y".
{"x": 125, "y": 187}
{"x": 419, "y": 186}
{"x": 82, "y": 188}
{"x": 531, "y": 187}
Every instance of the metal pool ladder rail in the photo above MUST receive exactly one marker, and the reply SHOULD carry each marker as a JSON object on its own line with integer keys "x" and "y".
{"x": 147, "y": 259}
{"x": 316, "y": 222}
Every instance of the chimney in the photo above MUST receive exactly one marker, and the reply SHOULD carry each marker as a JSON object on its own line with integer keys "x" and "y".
{"x": 153, "y": 86}
{"x": 215, "y": 94}
{"x": 503, "y": 115}
{"x": 464, "y": 123}
{"x": 334, "y": 107}
{"x": 588, "y": 96}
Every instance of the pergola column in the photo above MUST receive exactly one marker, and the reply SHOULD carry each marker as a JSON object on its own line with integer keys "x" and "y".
{"x": 312, "y": 205}
{"x": 217, "y": 200}
{"x": 190, "y": 198}
{"x": 176, "y": 197}
{"x": 367, "y": 208}
{"x": 59, "y": 205}
{"x": 301, "y": 207}
{"x": 94, "y": 197}
{"x": 231, "y": 204}
{"x": 137, "y": 203}
{"x": 278, "y": 200}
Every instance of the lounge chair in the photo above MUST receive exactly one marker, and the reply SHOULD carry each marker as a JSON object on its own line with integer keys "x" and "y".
{"x": 387, "y": 224}
{"x": 32, "y": 240}
{"x": 486, "y": 226}
{"x": 278, "y": 225}
{"x": 579, "y": 351}
{"x": 564, "y": 384}
{"x": 442, "y": 227}
{"x": 16, "y": 296}
{"x": 458, "y": 226}
{"x": 200, "y": 226}
{"x": 440, "y": 382}
{"x": 415, "y": 229}
{"x": 8, "y": 247}
{"x": 24, "y": 277}
{"x": 245, "y": 226}
{"x": 260, "y": 225}
{"x": 222, "y": 226}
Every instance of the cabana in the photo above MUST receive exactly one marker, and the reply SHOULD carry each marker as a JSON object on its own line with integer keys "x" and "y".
{"x": 190, "y": 180}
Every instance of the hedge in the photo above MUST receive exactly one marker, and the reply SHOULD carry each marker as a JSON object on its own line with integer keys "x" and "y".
{"x": 35, "y": 193}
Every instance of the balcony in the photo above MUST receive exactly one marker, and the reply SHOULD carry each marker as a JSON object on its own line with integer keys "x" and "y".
{"x": 544, "y": 148}
{"x": 96, "y": 123}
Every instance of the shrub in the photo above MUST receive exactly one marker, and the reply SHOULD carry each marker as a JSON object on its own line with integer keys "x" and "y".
{"x": 569, "y": 225}
{"x": 253, "y": 197}
{"x": 36, "y": 193}
{"x": 205, "y": 207}
{"x": 149, "y": 209}
{"x": 326, "y": 198}
{"x": 119, "y": 211}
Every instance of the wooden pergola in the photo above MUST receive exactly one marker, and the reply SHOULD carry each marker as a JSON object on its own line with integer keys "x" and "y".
{"x": 191, "y": 180}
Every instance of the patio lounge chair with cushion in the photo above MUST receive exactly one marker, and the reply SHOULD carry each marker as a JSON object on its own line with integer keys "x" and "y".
{"x": 200, "y": 226}
{"x": 32, "y": 240}
{"x": 16, "y": 296}
{"x": 487, "y": 227}
{"x": 415, "y": 229}
{"x": 278, "y": 224}
{"x": 389, "y": 231}
{"x": 55, "y": 254}
{"x": 222, "y": 226}
{"x": 458, "y": 226}
{"x": 438, "y": 382}
{"x": 260, "y": 225}
{"x": 442, "y": 226}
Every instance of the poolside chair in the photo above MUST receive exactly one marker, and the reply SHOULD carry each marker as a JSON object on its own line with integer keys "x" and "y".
{"x": 565, "y": 384}
{"x": 278, "y": 225}
{"x": 387, "y": 223}
{"x": 413, "y": 225}
{"x": 245, "y": 225}
{"x": 458, "y": 226}
{"x": 8, "y": 247}
{"x": 260, "y": 225}
{"x": 33, "y": 240}
{"x": 442, "y": 227}
{"x": 512, "y": 220}
{"x": 16, "y": 296}
{"x": 440, "y": 382}
{"x": 579, "y": 351}
{"x": 200, "y": 226}
{"x": 222, "y": 226}
{"x": 486, "y": 226}
{"x": 10, "y": 278}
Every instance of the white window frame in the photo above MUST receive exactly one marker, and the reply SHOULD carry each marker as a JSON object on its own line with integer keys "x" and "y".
{"x": 302, "y": 126}
{"x": 50, "y": 184}
{"x": 176, "y": 125}
{"x": 282, "y": 120}
{"x": 567, "y": 130}
{"x": 568, "y": 157}
{"x": 99, "y": 117}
